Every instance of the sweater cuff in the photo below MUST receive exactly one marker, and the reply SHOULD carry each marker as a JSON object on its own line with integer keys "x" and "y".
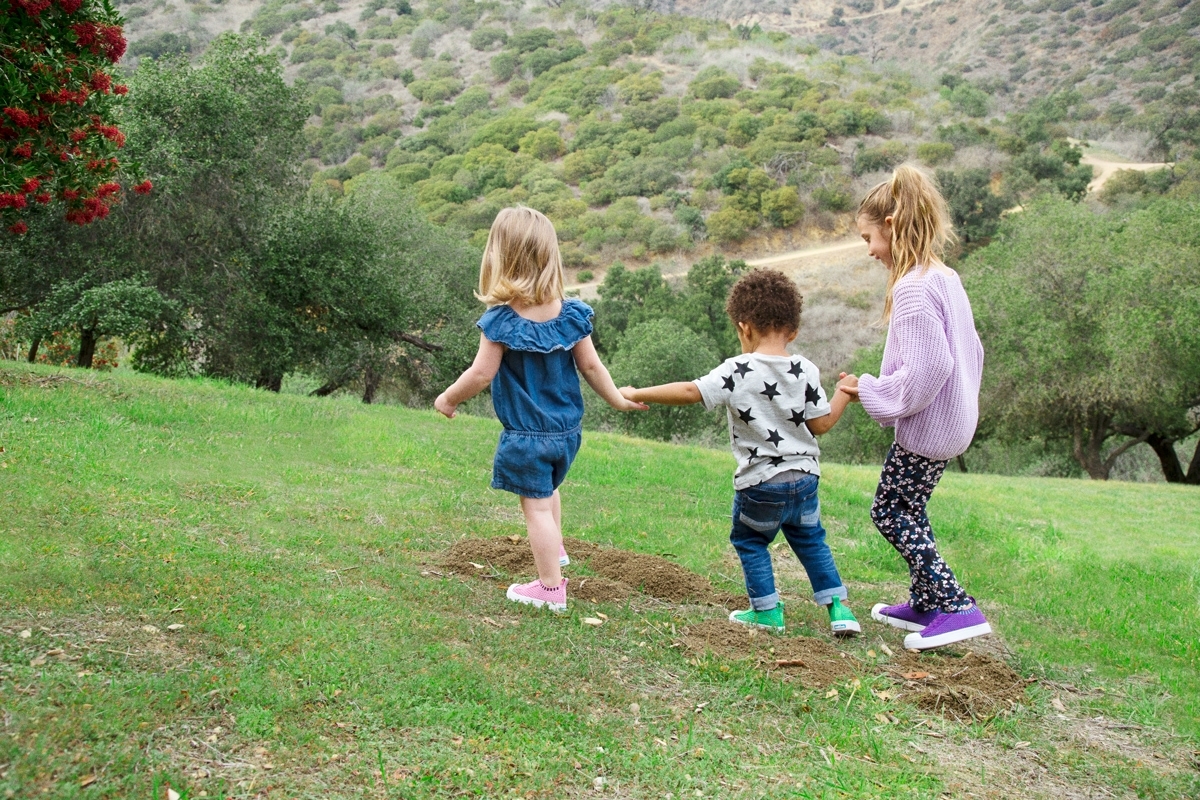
{"x": 873, "y": 403}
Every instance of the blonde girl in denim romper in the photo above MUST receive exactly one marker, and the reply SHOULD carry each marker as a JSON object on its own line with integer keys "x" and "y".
{"x": 534, "y": 345}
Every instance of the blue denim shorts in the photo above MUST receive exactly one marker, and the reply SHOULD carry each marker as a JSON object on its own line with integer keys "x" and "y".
{"x": 534, "y": 464}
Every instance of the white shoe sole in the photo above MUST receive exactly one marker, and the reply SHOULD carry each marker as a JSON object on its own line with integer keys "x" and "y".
{"x": 533, "y": 601}
{"x": 733, "y": 618}
{"x": 895, "y": 623}
{"x": 845, "y": 627}
{"x": 914, "y": 641}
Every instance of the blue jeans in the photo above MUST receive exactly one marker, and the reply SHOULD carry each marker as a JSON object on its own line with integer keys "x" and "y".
{"x": 758, "y": 514}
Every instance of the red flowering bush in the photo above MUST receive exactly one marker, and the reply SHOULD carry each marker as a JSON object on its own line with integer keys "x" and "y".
{"x": 58, "y": 101}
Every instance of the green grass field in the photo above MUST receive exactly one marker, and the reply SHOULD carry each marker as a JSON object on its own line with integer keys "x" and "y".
{"x": 325, "y": 653}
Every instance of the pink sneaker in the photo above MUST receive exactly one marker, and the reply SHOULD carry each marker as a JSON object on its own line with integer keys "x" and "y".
{"x": 537, "y": 594}
{"x": 564, "y": 560}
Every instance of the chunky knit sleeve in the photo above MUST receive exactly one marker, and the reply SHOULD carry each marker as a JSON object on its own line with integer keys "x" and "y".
{"x": 918, "y": 334}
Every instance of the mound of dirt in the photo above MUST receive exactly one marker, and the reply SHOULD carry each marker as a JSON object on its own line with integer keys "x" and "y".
{"x": 621, "y": 573}
{"x": 971, "y": 687}
{"x": 813, "y": 662}
{"x": 654, "y": 575}
{"x": 600, "y": 590}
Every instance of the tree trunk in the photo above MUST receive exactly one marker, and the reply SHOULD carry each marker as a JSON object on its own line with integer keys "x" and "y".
{"x": 33, "y": 349}
{"x": 87, "y": 348}
{"x": 1086, "y": 449}
{"x": 962, "y": 463}
{"x": 371, "y": 380}
{"x": 269, "y": 382}
{"x": 1193, "y": 473}
{"x": 1165, "y": 449}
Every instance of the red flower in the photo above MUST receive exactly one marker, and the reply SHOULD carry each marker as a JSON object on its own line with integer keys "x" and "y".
{"x": 8, "y": 200}
{"x": 120, "y": 88}
{"x": 114, "y": 42}
{"x": 105, "y": 189}
{"x": 101, "y": 82}
{"x": 70, "y": 6}
{"x": 111, "y": 133}
{"x": 70, "y": 194}
{"x": 85, "y": 33}
{"x": 42, "y": 198}
{"x": 31, "y": 185}
{"x": 21, "y": 118}
{"x": 19, "y": 228}
{"x": 144, "y": 187}
{"x": 78, "y": 136}
{"x": 34, "y": 7}
{"x": 23, "y": 150}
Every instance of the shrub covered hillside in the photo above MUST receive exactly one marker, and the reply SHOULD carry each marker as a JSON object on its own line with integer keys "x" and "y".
{"x": 606, "y": 122}
{"x": 643, "y": 134}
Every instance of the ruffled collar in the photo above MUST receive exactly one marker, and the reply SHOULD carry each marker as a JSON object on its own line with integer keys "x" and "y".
{"x": 503, "y": 325}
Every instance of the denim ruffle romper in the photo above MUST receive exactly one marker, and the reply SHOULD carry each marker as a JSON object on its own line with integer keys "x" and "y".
{"x": 536, "y": 396}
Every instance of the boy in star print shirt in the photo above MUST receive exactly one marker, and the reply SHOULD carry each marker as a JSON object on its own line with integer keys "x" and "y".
{"x": 776, "y": 409}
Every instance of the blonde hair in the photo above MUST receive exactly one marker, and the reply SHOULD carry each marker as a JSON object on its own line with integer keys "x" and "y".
{"x": 521, "y": 261}
{"x": 921, "y": 227}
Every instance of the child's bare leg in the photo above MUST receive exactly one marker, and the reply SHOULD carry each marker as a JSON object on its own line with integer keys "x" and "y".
{"x": 557, "y": 511}
{"x": 545, "y": 537}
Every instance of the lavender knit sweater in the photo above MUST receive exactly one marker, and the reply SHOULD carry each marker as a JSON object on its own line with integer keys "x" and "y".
{"x": 928, "y": 386}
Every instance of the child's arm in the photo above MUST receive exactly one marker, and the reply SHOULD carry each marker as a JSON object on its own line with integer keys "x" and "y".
{"x": 474, "y": 380}
{"x": 596, "y": 374}
{"x": 683, "y": 393}
{"x": 820, "y": 425}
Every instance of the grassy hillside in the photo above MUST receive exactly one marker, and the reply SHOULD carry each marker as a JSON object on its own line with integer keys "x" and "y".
{"x": 248, "y": 595}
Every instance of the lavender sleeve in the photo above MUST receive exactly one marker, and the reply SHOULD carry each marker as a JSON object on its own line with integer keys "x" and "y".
{"x": 925, "y": 365}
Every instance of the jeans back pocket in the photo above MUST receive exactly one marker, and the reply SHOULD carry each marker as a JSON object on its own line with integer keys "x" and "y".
{"x": 761, "y": 515}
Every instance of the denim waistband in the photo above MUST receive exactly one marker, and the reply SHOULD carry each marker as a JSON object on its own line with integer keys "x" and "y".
{"x": 545, "y": 434}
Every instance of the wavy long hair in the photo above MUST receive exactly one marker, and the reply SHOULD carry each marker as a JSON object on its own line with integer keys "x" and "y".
{"x": 921, "y": 227}
{"x": 521, "y": 261}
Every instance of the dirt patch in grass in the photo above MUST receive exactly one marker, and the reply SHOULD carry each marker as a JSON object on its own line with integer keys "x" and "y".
{"x": 813, "y": 662}
{"x": 620, "y": 573}
{"x": 656, "y": 576}
{"x": 970, "y": 687}
{"x": 600, "y": 590}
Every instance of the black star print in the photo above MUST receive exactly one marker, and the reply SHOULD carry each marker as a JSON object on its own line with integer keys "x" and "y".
{"x": 727, "y": 382}
{"x": 745, "y": 415}
{"x": 742, "y": 368}
{"x": 773, "y": 437}
{"x": 796, "y": 370}
{"x": 797, "y": 418}
{"x": 753, "y": 451}
{"x": 769, "y": 390}
{"x": 777, "y": 460}
{"x": 811, "y": 395}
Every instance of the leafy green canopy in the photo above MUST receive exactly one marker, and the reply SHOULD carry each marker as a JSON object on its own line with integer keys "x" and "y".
{"x": 230, "y": 270}
{"x": 1091, "y": 325}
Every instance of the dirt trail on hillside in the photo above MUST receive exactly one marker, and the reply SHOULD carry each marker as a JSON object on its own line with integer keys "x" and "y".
{"x": 590, "y": 290}
{"x": 1105, "y": 169}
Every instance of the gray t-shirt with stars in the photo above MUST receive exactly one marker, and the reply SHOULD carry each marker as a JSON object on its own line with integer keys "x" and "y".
{"x": 768, "y": 399}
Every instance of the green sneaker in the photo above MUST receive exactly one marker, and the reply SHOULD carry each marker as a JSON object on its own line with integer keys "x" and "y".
{"x": 771, "y": 619}
{"x": 841, "y": 619}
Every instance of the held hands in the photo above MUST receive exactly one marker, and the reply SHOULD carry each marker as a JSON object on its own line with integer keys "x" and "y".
{"x": 628, "y": 403}
{"x": 849, "y": 385}
{"x": 445, "y": 407}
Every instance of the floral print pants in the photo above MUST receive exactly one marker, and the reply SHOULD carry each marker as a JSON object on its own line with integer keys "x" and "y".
{"x": 905, "y": 485}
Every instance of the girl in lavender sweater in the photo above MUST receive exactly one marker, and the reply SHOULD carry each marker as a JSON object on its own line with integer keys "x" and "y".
{"x": 928, "y": 390}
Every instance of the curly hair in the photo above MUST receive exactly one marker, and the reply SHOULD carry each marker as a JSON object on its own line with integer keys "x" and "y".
{"x": 766, "y": 299}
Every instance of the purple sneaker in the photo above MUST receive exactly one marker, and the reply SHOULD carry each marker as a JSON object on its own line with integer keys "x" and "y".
{"x": 948, "y": 628}
{"x": 902, "y": 616}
